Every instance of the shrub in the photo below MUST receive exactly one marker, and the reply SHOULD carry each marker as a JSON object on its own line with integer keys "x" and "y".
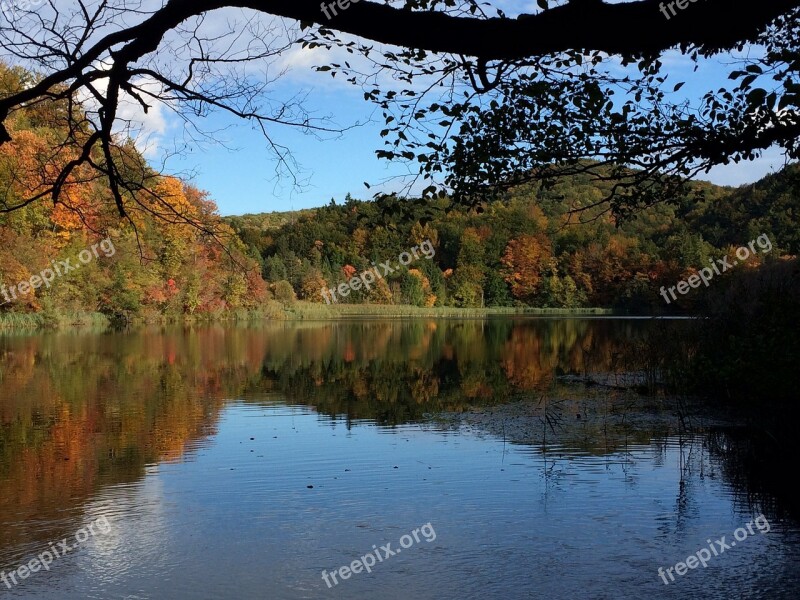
{"x": 749, "y": 338}
{"x": 284, "y": 293}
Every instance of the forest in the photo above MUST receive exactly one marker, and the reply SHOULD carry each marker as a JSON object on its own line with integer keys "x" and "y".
{"x": 174, "y": 254}
{"x": 541, "y": 245}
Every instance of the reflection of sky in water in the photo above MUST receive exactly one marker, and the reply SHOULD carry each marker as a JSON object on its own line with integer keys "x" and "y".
{"x": 152, "y": 429}
{"x": 235, "y": 519}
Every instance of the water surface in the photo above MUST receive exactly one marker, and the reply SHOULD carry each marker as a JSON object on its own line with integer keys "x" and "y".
{"x": 242, "y": 462}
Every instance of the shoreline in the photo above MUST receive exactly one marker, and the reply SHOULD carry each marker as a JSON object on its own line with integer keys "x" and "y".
{"x": 301, "y": 311}
{"x": 305, "y": 311}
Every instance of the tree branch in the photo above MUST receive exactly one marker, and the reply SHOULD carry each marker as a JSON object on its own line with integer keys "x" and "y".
{"x": 630, "y": 28}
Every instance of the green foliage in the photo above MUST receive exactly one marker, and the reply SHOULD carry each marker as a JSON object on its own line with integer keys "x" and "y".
{"x": 284, "y": 293}
{"x": 527, "y": 249}
{"x": 496, "y": 290}
{"x": 235, "y": 289}
{"x": 153, "y": 269}
{"x": 771, "y": 205}
{"x": 122, "y": 302}
{"x": 561, "y": 292}
{"x": 466, "y": 289}
{"x": 192, "y": 294}
{"x": 411, "y": 289}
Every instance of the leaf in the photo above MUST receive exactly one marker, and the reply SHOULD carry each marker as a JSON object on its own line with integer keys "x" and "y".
{"x": 747, "y": 81}
{"x": 756, "y": 96}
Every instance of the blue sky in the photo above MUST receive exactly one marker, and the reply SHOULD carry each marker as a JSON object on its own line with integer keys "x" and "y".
{"x": 240, "y": 174}
{"x": 243, "y": 180}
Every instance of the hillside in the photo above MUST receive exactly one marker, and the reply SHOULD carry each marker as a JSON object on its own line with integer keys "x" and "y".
{"x": 175, "y": 256}
{"x": 77, "y": 255}
{"x": 531, "y": 249}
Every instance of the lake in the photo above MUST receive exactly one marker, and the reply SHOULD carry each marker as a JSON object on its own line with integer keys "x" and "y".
{"x": 454, "y": 459}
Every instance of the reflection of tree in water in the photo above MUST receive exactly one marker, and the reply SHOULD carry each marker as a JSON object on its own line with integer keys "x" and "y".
{"x": 398, "y": 372}
{"x": 82, "y": 411}
{"x": 756, "y": 466}
{"x": 759, "y": 468}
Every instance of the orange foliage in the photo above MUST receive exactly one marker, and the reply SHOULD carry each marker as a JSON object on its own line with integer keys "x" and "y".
{"x": 523, "y": 262}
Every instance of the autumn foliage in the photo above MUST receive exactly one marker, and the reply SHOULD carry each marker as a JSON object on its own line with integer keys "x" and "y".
{"x": 175, "y": 256}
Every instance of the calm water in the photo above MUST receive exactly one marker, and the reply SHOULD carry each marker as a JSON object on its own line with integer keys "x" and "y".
{"x": 242, "y": 462}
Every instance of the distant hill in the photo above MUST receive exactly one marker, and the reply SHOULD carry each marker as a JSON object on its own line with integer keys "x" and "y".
{"x": 542, "y": 247}
{"x": 529, "y": 249}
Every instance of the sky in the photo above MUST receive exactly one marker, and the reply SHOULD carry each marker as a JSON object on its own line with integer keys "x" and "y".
{"x": 240, "y": 173}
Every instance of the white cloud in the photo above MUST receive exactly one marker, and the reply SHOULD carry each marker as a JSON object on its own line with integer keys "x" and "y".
{"x": 146, "y": 129}
{"x": 305, "y": 58}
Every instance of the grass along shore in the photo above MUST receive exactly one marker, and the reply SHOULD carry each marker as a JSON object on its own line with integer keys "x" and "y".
{"x": 274, "y": 311}
{"x": 310, "y": 310}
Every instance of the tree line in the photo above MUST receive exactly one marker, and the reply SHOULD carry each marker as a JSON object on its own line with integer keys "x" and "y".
{"x": 540, "y": 246}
